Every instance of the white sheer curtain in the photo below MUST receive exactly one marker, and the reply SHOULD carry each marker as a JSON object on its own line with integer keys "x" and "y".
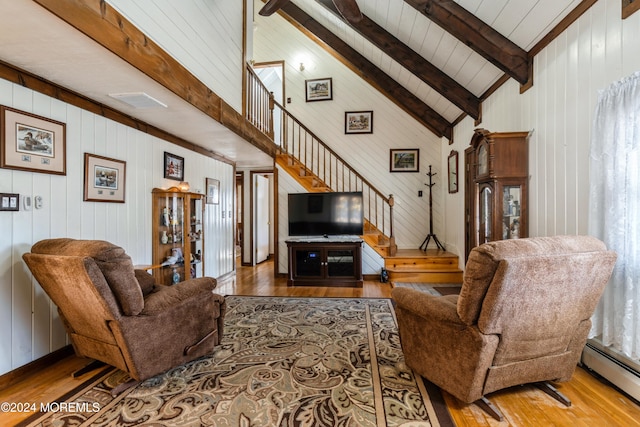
{"x": 615, "y": 212}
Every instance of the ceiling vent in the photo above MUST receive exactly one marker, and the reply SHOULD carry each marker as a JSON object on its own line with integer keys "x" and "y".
{"x": 138, "y": 100}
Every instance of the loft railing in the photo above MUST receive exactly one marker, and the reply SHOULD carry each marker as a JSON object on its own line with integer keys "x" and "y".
{"x": 259, "y": 104}
{"x": 299, "y": 142}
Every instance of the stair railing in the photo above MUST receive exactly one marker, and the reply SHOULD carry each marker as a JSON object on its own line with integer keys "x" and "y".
{"x": 258, "y": 103}
{"x": 301, "y": 144}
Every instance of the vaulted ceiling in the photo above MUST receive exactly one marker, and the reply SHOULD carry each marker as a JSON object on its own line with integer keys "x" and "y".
{"x": 437, "y": 59}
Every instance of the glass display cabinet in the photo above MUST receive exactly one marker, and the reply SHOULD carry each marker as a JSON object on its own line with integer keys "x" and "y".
{"x": 178, "y": 236}
{"x": 496, "y": 187}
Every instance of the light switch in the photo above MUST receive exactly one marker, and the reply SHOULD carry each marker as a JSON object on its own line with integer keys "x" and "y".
{"x": 9, "y": 202}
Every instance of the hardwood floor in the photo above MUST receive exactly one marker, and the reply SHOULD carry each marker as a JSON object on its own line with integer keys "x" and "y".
{"x": 594, "y": 402}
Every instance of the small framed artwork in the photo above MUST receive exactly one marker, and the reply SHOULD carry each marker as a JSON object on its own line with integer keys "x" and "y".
{"x": 104, "y": 179}
{"x": 404, "y": 160}
{"x": 173, "y": 167}
{"x": 358, "y": 122}
{"x": 32, "y": 143}
{"x": 319, "y": 89}
{"x": 213, "y": 191}
{"x": 453, "y": 171}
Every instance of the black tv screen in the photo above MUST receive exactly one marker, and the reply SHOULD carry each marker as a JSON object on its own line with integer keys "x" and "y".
{"x": 319, "y": 214}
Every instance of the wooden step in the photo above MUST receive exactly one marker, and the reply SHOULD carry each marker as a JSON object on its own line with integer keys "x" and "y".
{"x": 382, "y": 250}
{"x": 313, "y": 183}
{"x": 407, "y": 264}
{"x": 304, "y": 177}
{"x": 380, "y": 243}
{"x": 431, "y": 266}
{"x": 425, "y": 276}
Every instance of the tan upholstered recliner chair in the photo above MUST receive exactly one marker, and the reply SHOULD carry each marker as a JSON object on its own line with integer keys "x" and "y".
{"x": 522, "y": 316}
{"x": 117, "y": 315}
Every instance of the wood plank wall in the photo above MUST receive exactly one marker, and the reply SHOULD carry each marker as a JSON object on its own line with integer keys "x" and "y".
{"x": 371, "y": 261}
{"x": 203, "y": 35}
{"x": 276, "y": 39}
{"x": 595, "y": 51}
{"x": 31, "y": 327}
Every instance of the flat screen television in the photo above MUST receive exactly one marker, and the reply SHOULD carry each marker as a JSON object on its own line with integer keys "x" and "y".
{"x": 330, "y": 214}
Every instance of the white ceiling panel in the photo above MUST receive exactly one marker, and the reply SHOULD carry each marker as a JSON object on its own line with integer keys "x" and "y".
{"x": 543, "y": 17}
{"x": 81, "y": 68}
{"x": 524, "y": 22}
{"x": 63, "y": 56}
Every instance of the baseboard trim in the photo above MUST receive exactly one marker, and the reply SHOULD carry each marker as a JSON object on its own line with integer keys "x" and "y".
{"x": 225, "y": 276}
{"x": 622, "y": 376}
{"x": 12, "y": 377}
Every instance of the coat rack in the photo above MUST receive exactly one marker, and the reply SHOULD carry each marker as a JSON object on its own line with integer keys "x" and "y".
{"x": 425, "y": 243}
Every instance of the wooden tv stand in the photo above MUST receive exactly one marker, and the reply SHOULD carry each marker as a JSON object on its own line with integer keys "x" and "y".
{"x": 325, "y": 261}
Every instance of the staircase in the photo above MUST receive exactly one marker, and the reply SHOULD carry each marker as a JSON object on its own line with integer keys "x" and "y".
{"x": 382, "y": 244}
{"x": 403, "y": 265}
{"x": 319, "y": 169}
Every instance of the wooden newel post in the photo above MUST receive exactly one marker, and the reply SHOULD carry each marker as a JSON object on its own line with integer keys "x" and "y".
{"x": 391, "y": 203}
{"x": 271, "y": 131}
{"x": 393, "y": 248}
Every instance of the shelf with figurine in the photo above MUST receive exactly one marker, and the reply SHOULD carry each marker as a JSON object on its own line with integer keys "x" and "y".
{"x": 178, "y": 235}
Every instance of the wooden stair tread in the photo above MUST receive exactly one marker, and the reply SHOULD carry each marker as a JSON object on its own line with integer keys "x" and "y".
{"x": 425, "y": 260}
{"x": 424, "y": 270}
{"x": 430, "y": 266}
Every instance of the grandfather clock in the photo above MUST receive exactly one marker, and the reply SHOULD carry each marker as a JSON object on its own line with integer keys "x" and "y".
{"x": 496, "y": 198}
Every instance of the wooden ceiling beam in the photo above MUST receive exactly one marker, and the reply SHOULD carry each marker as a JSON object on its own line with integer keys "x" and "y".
{"x": 414, "y": 63}
{"x": 103, "y": 24}
{"x": 38, "y": 84}
{"x": 368, "y": 71}
{"x": 480, "y": 37}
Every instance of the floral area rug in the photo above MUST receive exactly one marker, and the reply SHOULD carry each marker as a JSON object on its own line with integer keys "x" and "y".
{"x": 282, "y": 362}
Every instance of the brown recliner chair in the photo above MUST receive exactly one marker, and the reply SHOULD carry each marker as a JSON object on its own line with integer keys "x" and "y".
{"x": 117, "y": 315}
{"x": 522, "y": 316}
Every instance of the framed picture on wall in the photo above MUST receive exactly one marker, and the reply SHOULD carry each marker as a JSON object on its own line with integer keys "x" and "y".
{"x": 319, "y": 89}
{"x": 213, "y": 191}
{"x": 358, "y": 122}
{"x": 32, "y": 143}
{"x": 173, "y": 167}
{"x": 104, "y": 179}
{"x": 453, "y": 171}
{"x": 404, "y": 160}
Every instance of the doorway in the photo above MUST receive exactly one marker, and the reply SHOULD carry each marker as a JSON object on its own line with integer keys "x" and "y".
{"x": 239, "y": 214}
{"x": 261, "y": 221}
{"x": 255, "y": 226}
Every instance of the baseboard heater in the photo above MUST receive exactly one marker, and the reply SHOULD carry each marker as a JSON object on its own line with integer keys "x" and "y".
{"x": 623, "y": 376}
